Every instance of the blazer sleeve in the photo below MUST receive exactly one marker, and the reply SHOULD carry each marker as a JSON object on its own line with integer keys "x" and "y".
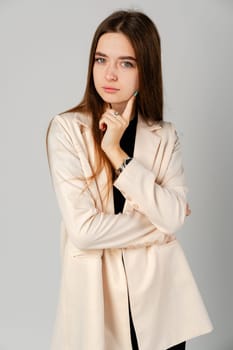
{"x": 86, "y": 225}
{"x": 164, "y": 204}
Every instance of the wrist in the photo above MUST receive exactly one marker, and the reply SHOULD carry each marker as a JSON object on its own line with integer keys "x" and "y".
{"x": 116, "y": 157}
{"x": 123, "y": 166}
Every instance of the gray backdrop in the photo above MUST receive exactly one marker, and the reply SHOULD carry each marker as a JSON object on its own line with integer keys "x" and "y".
{"x": 44, "y": 52}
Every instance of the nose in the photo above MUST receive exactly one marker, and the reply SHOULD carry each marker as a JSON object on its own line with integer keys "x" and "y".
{"x": 110, "y": 73}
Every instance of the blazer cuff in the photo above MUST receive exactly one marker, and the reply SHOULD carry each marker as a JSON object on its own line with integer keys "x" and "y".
{"x": 131, "y": 178}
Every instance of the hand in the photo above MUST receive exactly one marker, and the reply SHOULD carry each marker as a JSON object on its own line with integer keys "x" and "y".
{"x": 188, "y": 211}
{"x": 114, "y": 126}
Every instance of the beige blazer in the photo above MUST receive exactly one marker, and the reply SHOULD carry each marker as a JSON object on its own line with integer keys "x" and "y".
{"x": 92, "y": 311}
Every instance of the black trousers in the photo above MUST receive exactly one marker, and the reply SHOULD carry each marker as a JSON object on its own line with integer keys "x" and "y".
{"x": 134, "y": 342}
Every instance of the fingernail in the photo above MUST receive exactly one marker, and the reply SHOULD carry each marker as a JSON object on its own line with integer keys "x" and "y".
{"x": 135, "y": 93}
{"x": 103, "y": 127}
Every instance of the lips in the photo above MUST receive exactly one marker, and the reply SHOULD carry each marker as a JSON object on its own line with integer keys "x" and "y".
{"x": 110, "y": 89}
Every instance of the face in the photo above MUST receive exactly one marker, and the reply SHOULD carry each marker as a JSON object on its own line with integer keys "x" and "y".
{"x": 115, "y": 70}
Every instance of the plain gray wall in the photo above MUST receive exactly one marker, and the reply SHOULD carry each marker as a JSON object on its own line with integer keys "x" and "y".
{"x": 44, "y": 53}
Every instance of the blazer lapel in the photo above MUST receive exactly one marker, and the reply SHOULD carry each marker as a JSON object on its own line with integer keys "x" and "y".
{"x": 147, "y": 142}
{"x": 146, "y": 148}
{"x": 99, "y": 185}
{"x": 87, "y": 158}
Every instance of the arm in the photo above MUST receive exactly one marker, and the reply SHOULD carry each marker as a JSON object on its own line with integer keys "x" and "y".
{"x": 164, "y": 204}
{"x": 87, "y": 226}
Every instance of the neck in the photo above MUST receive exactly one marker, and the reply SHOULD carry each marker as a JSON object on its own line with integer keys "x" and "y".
{"x": 119, "y": 107}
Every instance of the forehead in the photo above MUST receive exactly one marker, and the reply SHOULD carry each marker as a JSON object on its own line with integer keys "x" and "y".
{"x": 116, "y": 44}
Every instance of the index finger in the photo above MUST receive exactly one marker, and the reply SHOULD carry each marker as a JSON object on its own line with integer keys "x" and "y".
{"x": 129, "y": 108}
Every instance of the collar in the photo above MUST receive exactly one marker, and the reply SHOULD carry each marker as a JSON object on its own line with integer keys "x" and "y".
{"x": 152, "y": 126}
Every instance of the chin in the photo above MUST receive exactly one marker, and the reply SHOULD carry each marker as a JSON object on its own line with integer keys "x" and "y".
{"x": 113, "y": 99}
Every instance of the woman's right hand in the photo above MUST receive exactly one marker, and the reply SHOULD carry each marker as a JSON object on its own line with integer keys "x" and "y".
{"x": 188, "y": 210}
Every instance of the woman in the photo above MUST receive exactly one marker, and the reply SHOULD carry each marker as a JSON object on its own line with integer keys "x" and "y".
{"x": 117, "y": 172}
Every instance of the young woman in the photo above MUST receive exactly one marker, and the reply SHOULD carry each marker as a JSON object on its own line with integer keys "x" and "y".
{"x": 117, "y": 172}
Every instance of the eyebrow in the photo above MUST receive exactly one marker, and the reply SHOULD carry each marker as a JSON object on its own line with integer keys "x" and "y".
{"x": 121, "y": 57}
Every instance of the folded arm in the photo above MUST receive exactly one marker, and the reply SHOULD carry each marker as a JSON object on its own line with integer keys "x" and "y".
{"x": 87, "y": 226}
{"x": 164, "y": 204}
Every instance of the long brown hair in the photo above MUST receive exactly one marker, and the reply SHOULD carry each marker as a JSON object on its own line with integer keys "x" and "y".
{"x": 145, "y": 39}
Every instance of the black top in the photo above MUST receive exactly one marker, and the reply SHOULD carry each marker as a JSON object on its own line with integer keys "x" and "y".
{"x": 127, "y": 144}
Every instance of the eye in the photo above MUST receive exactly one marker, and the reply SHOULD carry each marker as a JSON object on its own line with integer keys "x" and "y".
{"x": 127, "y": 64}
{"x": 100, "y": 60}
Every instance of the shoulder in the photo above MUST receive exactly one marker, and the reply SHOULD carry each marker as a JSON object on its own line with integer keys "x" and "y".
{"x": 167, "y": 129}
{"x": 71, "y": 119}
{"x": 69, "y": 123}
{"x": 67, "y": 127}
{"x": 161, "y": 126}
{"x": 167, "y": 125}
{"x": 168, "y": 134}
